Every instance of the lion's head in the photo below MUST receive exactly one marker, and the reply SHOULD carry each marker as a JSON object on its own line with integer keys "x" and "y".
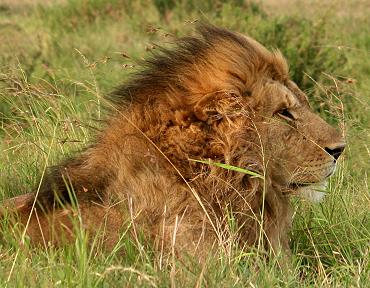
{"x": 225, "y": 97}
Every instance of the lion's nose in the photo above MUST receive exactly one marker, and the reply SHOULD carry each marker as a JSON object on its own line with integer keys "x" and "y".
{"x": 335, "y": 150}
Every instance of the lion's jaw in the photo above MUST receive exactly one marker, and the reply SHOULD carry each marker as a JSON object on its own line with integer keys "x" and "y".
{"x": 314, "y": 192}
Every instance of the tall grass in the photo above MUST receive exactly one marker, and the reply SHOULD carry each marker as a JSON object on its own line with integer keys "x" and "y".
{"x": 58, "y": 61}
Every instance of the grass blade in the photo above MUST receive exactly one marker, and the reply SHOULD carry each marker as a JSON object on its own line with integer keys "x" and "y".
{"x": 229, "y": 167}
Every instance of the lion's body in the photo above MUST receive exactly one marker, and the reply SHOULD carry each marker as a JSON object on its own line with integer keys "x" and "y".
{"x": 217, "y": 96}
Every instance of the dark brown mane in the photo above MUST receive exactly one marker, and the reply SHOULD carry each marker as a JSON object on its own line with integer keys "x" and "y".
{"x": 163, "y": 71}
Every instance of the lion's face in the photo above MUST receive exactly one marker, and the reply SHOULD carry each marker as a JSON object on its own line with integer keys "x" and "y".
{"x": 300, "y": 147}
{"x": 270, "y": 122}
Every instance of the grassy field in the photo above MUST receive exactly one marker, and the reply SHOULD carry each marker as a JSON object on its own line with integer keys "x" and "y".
{"x": 57, "y": 61}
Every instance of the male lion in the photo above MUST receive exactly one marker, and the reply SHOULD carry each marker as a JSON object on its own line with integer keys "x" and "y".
{"x": 218, "y": 96}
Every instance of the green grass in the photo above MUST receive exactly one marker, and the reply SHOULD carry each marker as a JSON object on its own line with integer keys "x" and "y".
{"x": 58, "y": 61}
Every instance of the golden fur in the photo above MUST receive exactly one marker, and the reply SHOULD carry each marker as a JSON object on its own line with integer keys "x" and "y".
{"x": 219, "y": 96}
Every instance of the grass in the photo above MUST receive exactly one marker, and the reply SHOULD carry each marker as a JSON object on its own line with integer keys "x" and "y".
{"x": 58, "y": 61}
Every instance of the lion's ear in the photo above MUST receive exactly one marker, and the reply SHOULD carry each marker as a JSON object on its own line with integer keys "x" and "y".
{"x": 214, "y": 106}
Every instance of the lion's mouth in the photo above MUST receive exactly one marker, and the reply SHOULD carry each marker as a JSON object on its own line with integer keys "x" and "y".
{"x": 295, "y": 186}
{"x": 314, "y": 192}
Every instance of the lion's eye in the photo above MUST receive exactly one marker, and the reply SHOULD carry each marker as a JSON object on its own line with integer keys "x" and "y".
{"x": 247, "y": 93}
{"x": 284, "y": 113}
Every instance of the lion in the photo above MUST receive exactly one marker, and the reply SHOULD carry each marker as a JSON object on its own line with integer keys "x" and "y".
{"x": 216, "y": 97}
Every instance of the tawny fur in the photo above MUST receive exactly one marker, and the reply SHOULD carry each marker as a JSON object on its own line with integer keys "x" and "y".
{"x": 219, "y": 96}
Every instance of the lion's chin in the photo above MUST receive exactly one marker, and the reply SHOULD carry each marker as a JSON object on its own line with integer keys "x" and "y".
{"x": 313, "y": 192}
